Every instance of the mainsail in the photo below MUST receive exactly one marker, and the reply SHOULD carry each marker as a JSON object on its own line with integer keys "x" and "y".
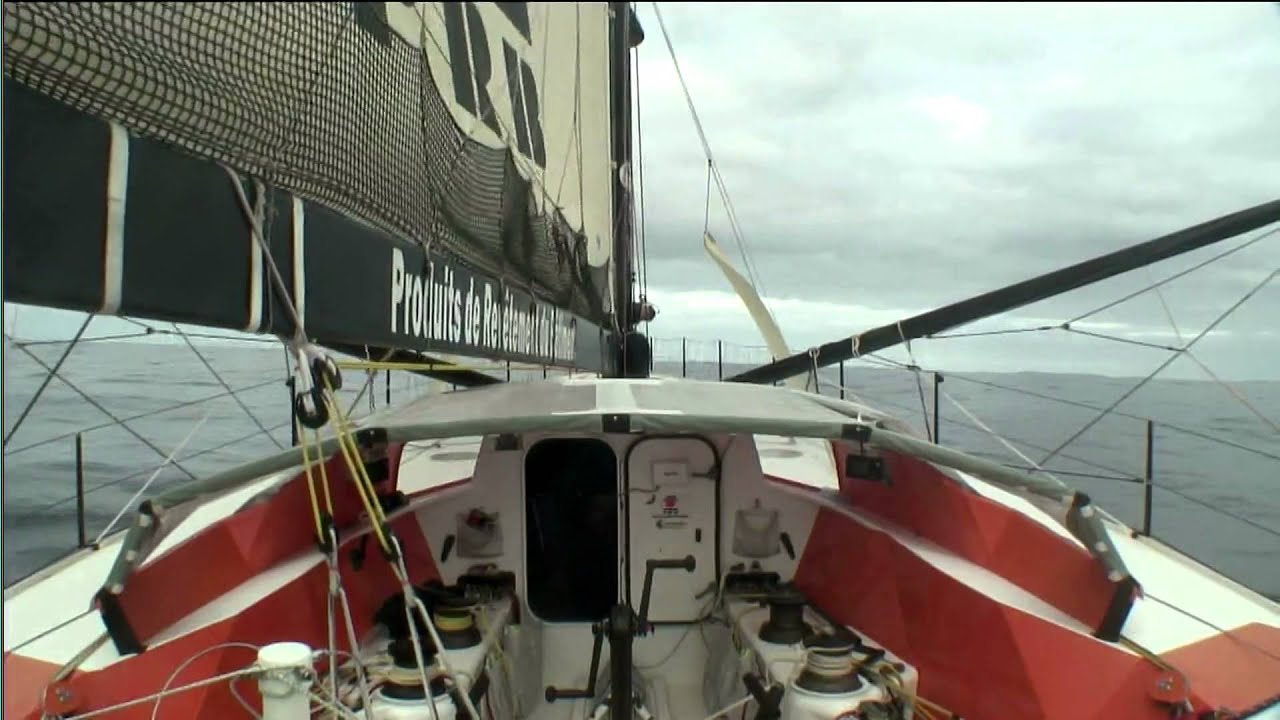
{"x": 429, "y": 176}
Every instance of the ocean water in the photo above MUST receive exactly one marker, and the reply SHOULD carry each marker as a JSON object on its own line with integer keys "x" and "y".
{"x": 1217, "y": 501}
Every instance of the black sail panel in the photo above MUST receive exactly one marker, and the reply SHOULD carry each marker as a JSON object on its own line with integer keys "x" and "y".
{"x": 385, "y": 147}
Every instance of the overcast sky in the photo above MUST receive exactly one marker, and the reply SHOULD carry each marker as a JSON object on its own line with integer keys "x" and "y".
{"x": 887, "y": 159}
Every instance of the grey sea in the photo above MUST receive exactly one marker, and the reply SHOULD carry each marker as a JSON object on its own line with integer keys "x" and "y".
{"x": 1216, "y": 466}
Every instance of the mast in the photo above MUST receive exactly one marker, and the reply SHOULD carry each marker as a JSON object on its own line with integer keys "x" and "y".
{"x": 632, "y": 348}
{"x": 1023, "y": 293}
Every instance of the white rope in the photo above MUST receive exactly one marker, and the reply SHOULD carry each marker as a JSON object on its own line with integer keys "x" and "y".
{"x": 338, "y": 595}
{"x": 411, "y": 603}
{"x": 167, "y": 462}
{"x": 155, "y": 710}
{"x": 813, "y": 373}
{"x": 304, "y": 351}
{"x": 166, "y": 691}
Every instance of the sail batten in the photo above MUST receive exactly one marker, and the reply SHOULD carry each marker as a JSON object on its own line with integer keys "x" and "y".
{"x": 470, "y": 141}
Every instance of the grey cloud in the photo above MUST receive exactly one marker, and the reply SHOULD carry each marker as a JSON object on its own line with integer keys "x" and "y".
{"x": 905, "y": 156}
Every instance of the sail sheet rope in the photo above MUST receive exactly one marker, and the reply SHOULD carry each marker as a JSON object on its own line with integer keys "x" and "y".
{"x": 378, "y": 525}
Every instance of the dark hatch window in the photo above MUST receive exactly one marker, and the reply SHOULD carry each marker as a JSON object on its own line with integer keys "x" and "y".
{"x": 571, "y": 529}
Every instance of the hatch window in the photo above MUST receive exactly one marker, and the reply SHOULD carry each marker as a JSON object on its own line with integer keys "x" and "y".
{"x": 571, "y": 529}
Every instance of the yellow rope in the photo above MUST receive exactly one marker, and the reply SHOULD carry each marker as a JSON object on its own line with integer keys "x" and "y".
{"x": 926, "y": 708}
{"x": 451, "y": 623}
{"x": 311, "y": 487}
{"x": 351, "y": 455}
{"x": 324, "y": 477}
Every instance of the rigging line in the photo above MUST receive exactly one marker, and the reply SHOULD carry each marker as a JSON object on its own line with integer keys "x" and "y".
{"x": 1008, "y": 445}
{"x": 112, "y": 483}
{"x": 1229, "y": 633}
{"x": 209, "y": 366}
{"x": 44, "y": 383}
{"x": 706, "y": 148}
{"x": 131, "y": 418}
{"x": 87, "y": 398}
{"x": 152, "y": 330}
{"x": 576, "y": 135}
{"x": 970, "y": 426}
{"x": 915, "y": 369}
{"x": 255, "y": 229}
{"x": 229, "y": 338}
{"x": 1225, "y": 385}
{"x": 437, "y": 191}
{"x": 991, "y": 332}
{"x": 888, "y": 362}
{"x": 1175, "y": 276}
{"x": 1069, "y": 473}
{"x": 310, "y": 94}
{"x": 1234, "y": 393}
{"x": 167, "y": 461}
{"x": 140, "y": 324}
{"x": 644, "y": 245}
{"x": 1127, "y": 341}
{"x": 706, "y": 208}
{"x": 101, "y": 338}
{"x": 1168, "y": 313}
{"x": 1206, "y": 504}
{"x": 52, "y": 630}
{"x": 1165, "y": 364}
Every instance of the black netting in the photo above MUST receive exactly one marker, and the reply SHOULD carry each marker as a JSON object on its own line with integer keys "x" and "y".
{"x": 316, "y": 98}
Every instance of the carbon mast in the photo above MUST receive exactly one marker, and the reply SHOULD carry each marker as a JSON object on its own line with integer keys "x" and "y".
{"x": 632, "y": 353}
